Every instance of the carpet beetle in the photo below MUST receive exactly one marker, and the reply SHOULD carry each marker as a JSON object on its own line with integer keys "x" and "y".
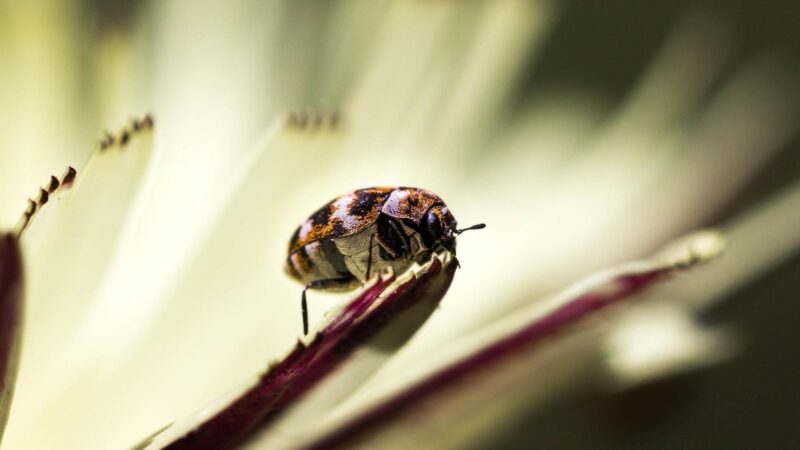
{"x": 361, "y": 233}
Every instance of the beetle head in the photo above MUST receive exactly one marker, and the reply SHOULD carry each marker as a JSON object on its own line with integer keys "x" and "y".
{"x": 439, "y": 227}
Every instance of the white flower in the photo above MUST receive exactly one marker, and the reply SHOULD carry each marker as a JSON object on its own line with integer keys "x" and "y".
{"x": 153, "y": 285}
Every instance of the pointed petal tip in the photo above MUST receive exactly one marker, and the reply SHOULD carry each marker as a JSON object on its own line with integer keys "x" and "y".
{"x": 53, "y": 184}
{"x": 69, "y": 177}
{"x": 131, "y": 130}
{"x": 53, "y": 187}
{"x": 312, "y": 120}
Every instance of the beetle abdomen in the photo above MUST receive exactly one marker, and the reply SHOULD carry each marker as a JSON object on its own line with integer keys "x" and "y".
{"x": 315, "y": 261}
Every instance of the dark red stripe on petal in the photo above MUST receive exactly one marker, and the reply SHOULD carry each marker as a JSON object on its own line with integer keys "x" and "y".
{"x": 10, "y": 312}
{"x": 491, "y": 357}
{"x": 306, "y": 366}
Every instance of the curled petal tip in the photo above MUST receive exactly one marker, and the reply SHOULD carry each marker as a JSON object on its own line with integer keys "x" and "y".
{"x": 694, "y": 249}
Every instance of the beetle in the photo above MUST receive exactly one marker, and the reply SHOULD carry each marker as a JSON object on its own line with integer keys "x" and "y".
{"x": 351, "y": 237}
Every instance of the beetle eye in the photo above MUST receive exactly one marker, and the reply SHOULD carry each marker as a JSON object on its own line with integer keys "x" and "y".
{"x": 433, "y": 226}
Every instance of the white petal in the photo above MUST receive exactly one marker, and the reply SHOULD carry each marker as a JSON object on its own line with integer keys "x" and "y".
{"x": 275, "y": 409}
{"x": 660, "y": 339}
{"x": 146, "y": 360}
{"x": 519, "y": 363}
{"x": 40, "y": 81}
{"x": 67, "y": 259}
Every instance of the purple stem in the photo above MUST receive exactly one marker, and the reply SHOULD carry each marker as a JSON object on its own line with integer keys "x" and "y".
{"x": 487, "y": 359}
{"x": 305, "y": 366}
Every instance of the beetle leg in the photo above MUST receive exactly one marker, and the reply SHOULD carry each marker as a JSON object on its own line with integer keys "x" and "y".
{"x": 377, "y": 238}
{"x": 320, "y": 284}
{"x": 398, "y": 228}
{"x": 420, "y": 249}
{"x": 369, "y": 254}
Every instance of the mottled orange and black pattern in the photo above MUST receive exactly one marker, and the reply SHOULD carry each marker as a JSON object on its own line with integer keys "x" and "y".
{"x": 318, "y": 248}
{"x": 406, "y": 203}
{"x": 343, "y": 216}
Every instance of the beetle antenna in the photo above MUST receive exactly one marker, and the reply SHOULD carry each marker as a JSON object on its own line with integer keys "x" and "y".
{"x": 478, "y": 226}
